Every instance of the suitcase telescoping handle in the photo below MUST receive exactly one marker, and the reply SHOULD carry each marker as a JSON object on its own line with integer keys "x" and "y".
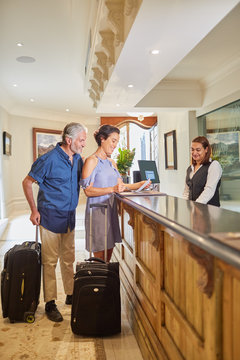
{"x": 91, "y": 218}
{"x": 36, "y": 237}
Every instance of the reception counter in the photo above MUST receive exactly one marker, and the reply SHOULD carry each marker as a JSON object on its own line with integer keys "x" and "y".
{"x": 180, "y": 276}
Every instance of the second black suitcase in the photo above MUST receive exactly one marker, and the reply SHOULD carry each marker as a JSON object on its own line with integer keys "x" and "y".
{"x": 96, "y": 307}
{"x": 20, "y": 281}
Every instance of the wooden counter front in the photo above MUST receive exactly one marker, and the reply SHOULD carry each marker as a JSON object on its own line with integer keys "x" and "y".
{"x": 182, "y": 300}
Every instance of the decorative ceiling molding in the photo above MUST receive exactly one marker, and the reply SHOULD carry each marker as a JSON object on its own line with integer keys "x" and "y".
{"x": 130, "y": 7}
{"x": 108, "y": 37}
{"x": 98, "y": 75}
{"x": 114, "y": 20}
{"x": 95, "y": 88}
{"x": 102, "y": 62}
{"x": 116, "y": 17}
{"x": 92, "y": 95}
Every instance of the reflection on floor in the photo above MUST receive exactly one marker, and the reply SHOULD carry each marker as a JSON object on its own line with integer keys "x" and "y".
{"x": 45, "y": 340}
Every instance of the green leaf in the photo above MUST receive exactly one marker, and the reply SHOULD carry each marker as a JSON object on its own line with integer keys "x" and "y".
{"x": 125, "y": 160}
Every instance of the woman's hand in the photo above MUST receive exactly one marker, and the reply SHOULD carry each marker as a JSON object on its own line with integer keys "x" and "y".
{"x": 143, "y": 182}
{"x": 137, "y": 185}
{"x": 119, "y": 187}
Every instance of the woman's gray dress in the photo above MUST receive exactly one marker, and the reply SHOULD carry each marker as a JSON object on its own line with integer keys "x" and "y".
{"x": 103, "y": 175}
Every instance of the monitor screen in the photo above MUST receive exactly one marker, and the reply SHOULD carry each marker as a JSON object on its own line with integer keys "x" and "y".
{"x": 148, "y": 170}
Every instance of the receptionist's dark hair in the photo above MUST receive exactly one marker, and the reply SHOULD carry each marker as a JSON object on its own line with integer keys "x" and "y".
{"x": 205, "y": 143}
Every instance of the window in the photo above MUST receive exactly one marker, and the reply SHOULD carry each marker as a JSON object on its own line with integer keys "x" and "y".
{"x": 222, "y": 128}
{"x": 144, "y": 140}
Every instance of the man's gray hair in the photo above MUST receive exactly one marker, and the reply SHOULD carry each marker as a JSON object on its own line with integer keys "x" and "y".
{"x": 72, "y": 130}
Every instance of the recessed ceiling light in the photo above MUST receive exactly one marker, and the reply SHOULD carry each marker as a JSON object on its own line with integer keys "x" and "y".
{"x": 15, "y": 85}
{"x": 67, "y": 110}
{"x": 130, "y": 85}
{"x": 32, "y": 100}
{"x": 19, "y": 44}
{"x": 25, "y": 59}
{"x": 117, "y": 104}
{"x": 155, "y": 52}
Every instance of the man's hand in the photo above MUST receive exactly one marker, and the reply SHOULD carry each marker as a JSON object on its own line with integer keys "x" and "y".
{"x": 35, "y": 218}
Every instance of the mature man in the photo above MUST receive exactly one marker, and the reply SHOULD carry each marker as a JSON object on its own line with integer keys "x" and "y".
{"x": 57, "y": 173}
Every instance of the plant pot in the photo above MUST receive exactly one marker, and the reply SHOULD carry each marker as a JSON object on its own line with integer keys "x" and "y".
{"x": 126, "y": 179}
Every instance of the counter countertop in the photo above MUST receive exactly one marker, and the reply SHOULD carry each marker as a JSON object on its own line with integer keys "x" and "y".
{"x": 198, "y": 223}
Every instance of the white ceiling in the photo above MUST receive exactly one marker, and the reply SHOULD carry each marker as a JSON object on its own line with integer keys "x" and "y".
{"x": 175, "y": 28}
{"x": 55, "y": 32}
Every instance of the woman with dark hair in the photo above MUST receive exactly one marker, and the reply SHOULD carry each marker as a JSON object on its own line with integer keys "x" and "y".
{"x": 100, "y": 180}
{"x": 204, "y": 175}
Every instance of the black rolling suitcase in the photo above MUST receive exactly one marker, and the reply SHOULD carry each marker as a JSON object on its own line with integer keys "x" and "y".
{"x": 21, "y": 280}
{"x": 96, "y": 306}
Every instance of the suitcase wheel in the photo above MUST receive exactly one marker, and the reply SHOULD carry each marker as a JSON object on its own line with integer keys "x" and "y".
{"x": 29, "y": 317}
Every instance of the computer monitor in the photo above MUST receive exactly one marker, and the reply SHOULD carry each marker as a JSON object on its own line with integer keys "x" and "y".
{"x": 148, "y": 170}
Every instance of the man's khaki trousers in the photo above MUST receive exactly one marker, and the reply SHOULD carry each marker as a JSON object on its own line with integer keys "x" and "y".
{"x": 54, "y": 247}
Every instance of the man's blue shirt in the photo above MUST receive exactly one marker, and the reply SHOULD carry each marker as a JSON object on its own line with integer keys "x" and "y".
{"x": 58, "y": 195}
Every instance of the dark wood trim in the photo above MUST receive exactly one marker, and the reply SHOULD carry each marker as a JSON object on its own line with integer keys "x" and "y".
{"x": 167, "y": 165}
{"x": 147, "y": 123}
{"x": 7, "y": 143}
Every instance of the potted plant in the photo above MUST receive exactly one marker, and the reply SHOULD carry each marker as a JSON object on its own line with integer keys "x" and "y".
{"x": 124, "y": 161}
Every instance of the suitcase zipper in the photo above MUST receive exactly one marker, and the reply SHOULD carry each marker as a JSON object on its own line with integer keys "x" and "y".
{"x": 22, "y": 287}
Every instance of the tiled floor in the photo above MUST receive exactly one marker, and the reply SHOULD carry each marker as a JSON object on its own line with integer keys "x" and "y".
{"x": 118, "y": 347}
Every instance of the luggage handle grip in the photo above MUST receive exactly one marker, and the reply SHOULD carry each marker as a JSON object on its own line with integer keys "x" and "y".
{"x": 98, "y": 205}
{"x": 96, "y": 259}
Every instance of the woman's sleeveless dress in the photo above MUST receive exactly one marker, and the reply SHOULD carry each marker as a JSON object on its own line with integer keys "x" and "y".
{"x": 103, "y": 175}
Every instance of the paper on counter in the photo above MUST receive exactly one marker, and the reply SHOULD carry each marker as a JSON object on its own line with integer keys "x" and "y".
{"x": 143, "y": 186}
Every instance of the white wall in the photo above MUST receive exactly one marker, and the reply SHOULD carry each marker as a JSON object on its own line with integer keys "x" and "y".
{"x": 220, "y": 91}
{"x": 17, "y": 166}
{"x": 5, "y": 165}
{"x": 4, "y": 169}
{"x": 184, "y": 122}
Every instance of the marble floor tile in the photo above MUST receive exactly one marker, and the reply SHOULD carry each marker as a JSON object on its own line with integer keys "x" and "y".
{"x": 45, "y": 340}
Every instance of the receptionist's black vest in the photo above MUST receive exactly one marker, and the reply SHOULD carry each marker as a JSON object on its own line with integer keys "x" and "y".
{"x": 197, "y": 183}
